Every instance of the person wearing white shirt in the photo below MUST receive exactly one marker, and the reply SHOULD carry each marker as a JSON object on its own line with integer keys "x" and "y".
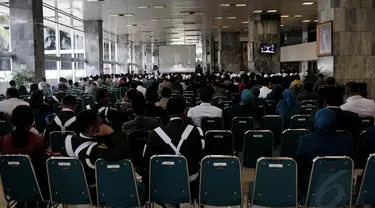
{"x": 205, "y": 109}
{"x": 43, "y": 85}
{"x": 356, "y": 103}
{"x": 11, "y": 101}
{"x": 264, "y": 90}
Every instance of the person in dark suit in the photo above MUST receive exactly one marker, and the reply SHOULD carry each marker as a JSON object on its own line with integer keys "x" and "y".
{"x": 277, "y": 90}
{"x": 37, "y": 102}
{"x": 324, "y": 141}
{"x": 191, "y": 148}
{"x": 152, "y": 109}
{"x": 57, "y": 98}
{"x": 307, "y": 93}
{"x": 66, "y": 120}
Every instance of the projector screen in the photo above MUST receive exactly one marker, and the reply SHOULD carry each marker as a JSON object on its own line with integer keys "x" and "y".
{"x": 177, "y": 58}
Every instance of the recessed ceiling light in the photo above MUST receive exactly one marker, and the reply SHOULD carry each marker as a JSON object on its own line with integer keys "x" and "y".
{"x": 193, "y": 35}
{"x": 167, "y": 19}
{"x": 298, "y": 15}
{"x": 284, "y": 16}
{"x": 231, "y": 18}
{"x": 240, "y": 5}
{"x": 225, "y": 26}
{"x": 272, "y": 10}
{"x": 218, "y": 18}
{"x": 245, "y": 22}
{"x": 184, "y": 13}
{"x": 316, "y": 20}
{"x": 308, "y": 3}
{"x": 176, "y": 38}
{"x": 114, "y": 29}
{"x": 159, "y": 6}
{"x": 281, "y": 25}
{"x": 143, "y": 7}
{"x": 154, "y": 20}
{"x": 257, "y": 11}
{"x": 95, "y": 0}
{"x": 129, "y": 25}
{"x": 123, "y": 15}
{"x": 224, "y": 5}
{"x": 306, "y": 20}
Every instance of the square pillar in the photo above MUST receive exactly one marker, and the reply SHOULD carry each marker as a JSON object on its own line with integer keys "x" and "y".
{"x": 27, "y": 38}
{"x": 122, "y": 53}
{"x": 93, "y": 30}
{"x": 230, "y": 51}
{"x": 304, "y": 65}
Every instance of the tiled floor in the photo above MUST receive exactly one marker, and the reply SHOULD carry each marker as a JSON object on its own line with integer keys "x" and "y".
{"x": 247, "y": 176}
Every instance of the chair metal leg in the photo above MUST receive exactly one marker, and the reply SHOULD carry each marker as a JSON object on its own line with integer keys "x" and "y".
{"x": 9, "y": 204}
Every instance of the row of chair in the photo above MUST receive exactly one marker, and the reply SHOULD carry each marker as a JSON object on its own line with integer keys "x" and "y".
{"x": 274, "y": 185}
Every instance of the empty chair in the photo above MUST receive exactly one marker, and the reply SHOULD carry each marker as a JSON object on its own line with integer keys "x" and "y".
{"x": 67, "y": 182}
{"x": 208, "y": 124}
{"x": 224, "y": 104}
{"x": 240, "y": 125}
{"x": 19, "y": 181}
{"x": 308, "y": 110}
{"x": 366, "y": 193}
{"x": 219, "y": 99}
{"x": 57, "y": 140}
{"x": 367, "y": 122}
{"x": 275, "y": 125}
{"x": 169, "y": 180}
{"x": 221, "y": 181}
{"x": 116, "y": 184}
{"x": 300, "y": 122}
{"x": 330, "y": 182}
{"x": 112, "y": 96}
{"x": 219, "y": 143}
{"x": 310, "y": 103}
{"x": 189, "y": 92}
{"x": 290, "y": 141}
{"x": 281, "y": 172}
{"x": 87, "y": 100}
{"x": 257, "y": 143}
{"x": 137, "y": 141}
{"x": 270, "y": 107}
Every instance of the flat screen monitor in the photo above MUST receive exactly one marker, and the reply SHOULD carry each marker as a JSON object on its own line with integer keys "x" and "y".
{"x": 177, "y": 58}
{"x": 267, "y": 48}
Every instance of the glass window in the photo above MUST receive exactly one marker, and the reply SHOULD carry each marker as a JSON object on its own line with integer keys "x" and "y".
{"x": 113, "y": 52}
{"x": 107, "y": 68}
{"x": 49, "y": 38}
{"x": 106, "y": 50}
{"x": 49, "y": 14}
{"x": 5, "y": 64}
{"x": 113, "y": 66}
{"x": 66, "y": 65}
{"x": 51, "y": 65}
{"x": 4, "y": 29}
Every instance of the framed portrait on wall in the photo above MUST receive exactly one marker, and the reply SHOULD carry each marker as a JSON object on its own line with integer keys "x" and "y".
{"x": 250, "y": 52}
{"x": 324, "y": 39}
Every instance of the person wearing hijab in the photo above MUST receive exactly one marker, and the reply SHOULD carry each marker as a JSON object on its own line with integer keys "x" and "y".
{"x": 288, "y": 107}
{"x": 324, "y": 141}
{"x": 245, "y": 108}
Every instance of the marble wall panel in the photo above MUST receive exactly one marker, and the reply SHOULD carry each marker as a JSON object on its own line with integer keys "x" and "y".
{"x": 138, "y": 67}
{"x": 230, "y": 51}
{"x": 93, "y": 30}
{"x": 122, "y": 53}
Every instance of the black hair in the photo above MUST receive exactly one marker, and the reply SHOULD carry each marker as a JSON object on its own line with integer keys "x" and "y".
{"x": 245, "y": 78}
{"x": 331, "y": 81}
{"x": 206, "y": 95}
{"x": 33, "y": 87}
{"x": 12, "y": 93}
{"x": 265, "y": 82}
{"x": 44, "y": 79}
{"x": 22, "y": 90}
{"x": 76, "y": 84}
{"x": 22, "y": 116}
{"x": 176, "y": 106}
{"x": 69, "y": 100}
{"x": 12, "y": 83}
{"x": 152, "y": 95}
{"x": 297, "y": 77}
{"x": 100, "y": 94}
{"x": 321, "y": 75}
{"x": 334, "y": 100}
{"x": 87, "y": 119}
{"x": 308, "y": 86}
{"x": 255, "y": 91}
{"x": 166, "y": 92}
{"x": 70, "y": 82}
{"x": 36, "y": 98}
{"x": 139, "y": 105}
{"x": 133, "y": 84}
{"x": 353, "y": 87}
{"x": 62, "y": 87}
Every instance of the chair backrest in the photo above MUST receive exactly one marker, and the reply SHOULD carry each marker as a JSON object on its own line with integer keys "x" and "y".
{"x": 281, "y": 172}
{"x": 290, "y": 141}
{"x": 366, "y": 193}
{"x": 270, "y": 107}
{"x": 236, "y": 98}
{"x": 123, "y": 91}
{"x": 257, "y": 143}
{"x": 112, "y": 96}
{"x": 169, "y": 180}
{"x": 5, "y": 127}
{"x": 219, "y": 99}
{"x": 188, "y": 99}
{"x": 67, "y": 181}
{"x": 57, "y": 140}
{"x": 240, "y": 125}
{"x": 300, "y": 122}
{"x": 137, "y": 142}
{"x": 18, "y": 178}
{"x": 224, "y": 104}
{"x": 310, "y": 103}
{"x": 275, "y": 124}
{"x": 219, "y": 142}
{"x": 116, "y": 184}
{"x": 40, "y": 120}
{"x": 308, "y": 110}
{"x": 79, "y": 105}
{"x": 330, "y": 182}
{"x": 87, "y": 100}
{"x": 220, "y": 182}
{"x": 367, "y": 122}
{"x": 208, "y": 123}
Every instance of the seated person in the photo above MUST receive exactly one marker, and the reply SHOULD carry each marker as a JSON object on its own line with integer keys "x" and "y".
{"x": 205, "y": 109}
{"x": 24, "y": 141}
{"x": 191, "y": 148}
{"x": 61, "y": 92}
{"x": 324, "y": 141}
{"x": 288, "y": 107}
{"x": 257, "y": 101}
{"x": 12, "y": 101}
{"x": 95, "y": 142}
{"x": 141, "y": 122}
{"x": 66, "y": 120}
{"x": 37, "y": 102}
{"x": 22, "y": 90}
{"x": 277, "y": 90}
{"x": 307, "y": 93}
{"x": 297, "y": 82}
{"x": 166, "y": 93}
{"x": 356, "y": 103}
{"x": 264, "y": 90}
{"x": 329, "y": 90}
{"x": 152, "y": 109}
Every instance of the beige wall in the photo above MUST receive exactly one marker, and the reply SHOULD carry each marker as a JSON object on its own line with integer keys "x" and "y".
{"x": 300, "y": 52}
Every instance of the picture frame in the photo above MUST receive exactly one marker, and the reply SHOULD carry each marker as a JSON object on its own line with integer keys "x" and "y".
{"x": 250, "y": 52}
{"x": 324, "y": 39}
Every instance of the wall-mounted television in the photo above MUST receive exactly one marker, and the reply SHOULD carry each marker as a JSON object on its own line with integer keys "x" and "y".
{"x": 267, "y": 48}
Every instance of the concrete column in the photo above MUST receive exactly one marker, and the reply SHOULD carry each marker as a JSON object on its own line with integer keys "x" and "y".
{"x": 219, "y": 51}
{"x": 209, "y": 51}
{"x": 353, "y": 41}
{"x": 94, "y": 46}
{"x": 304, "y": 65}
{"x": 230, "y": 51}
{"x": 27, "y": 38}
{"x": 122, "y": 53}
{"x": 138, "y": 58}
{"x": 132, "y": 70}
{"x": 265, "y": 28}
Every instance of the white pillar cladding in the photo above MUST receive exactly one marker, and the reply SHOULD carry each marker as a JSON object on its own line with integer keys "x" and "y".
{"x": 122, "y": 53}
{"x": 132, "y": 69}
{"x": 304, "y": 65}
{"x": 219, "y": 52}
{"x": 94, "y": 46}
{"x": 26, "y": 34}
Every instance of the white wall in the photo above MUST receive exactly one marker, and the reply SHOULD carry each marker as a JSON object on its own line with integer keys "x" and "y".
{"x": 300, "y": 52}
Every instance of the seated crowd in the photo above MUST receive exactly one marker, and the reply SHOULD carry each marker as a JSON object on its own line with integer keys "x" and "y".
{"x": 174, "y": 123}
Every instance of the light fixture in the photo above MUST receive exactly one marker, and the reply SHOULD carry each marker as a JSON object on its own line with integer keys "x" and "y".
{"x": 245, "y": 22}
{"x": 122, "y": 15}
{"x": 184, "y": 13}
{"x": 231, "y": 18}
{"x": 240, "y": 5}
{"x": 316, "y": 20}
{"x": 95, "y": 0}
{"x": 257, "y": 11}
{"x": 224, "y": 5}
{"x": 218, "y": 18}
{"x": 154, "y": 20}
{"x": 305, "y": 21}
{"x": 281, "y": 25}
{"x": 298, "y": 15}
{"x": 192, "y": 35}
{"x": 284, "y": 16}
{"x": 167, "y": 19}
{"x": 129, "y": 25}
{"x": 308, "y": 3}
{"x": 171, "y": 33}
{"x": 143, "y": 7}
{"x": 73, "y": 9}
{"x": 225, "y": 26}
{"x": 272, "y": 10}
{"x": 159, "y": 6}
{"x": 114, "y": 29}
{"x": 176, "y": 38}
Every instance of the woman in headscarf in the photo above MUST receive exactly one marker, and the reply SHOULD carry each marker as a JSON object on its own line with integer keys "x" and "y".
{"x": 245, "y": 108}
{"x": 288, "y": 107}
{"x": 324, "y": 141}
